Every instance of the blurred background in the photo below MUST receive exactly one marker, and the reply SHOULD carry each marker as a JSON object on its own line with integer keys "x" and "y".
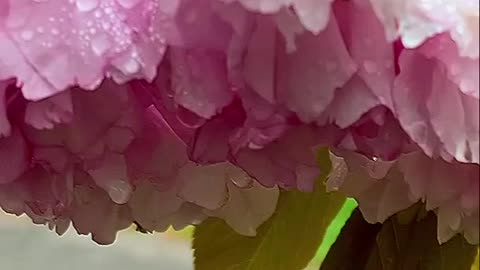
{"x": 25, "y": 246}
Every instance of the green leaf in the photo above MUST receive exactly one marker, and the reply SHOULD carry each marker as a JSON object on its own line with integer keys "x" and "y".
{"x": 475, "y": 265}
{"x": 398, "y": 245}
{"x": 332, "y": 233}
{"x": 287, "y": 241}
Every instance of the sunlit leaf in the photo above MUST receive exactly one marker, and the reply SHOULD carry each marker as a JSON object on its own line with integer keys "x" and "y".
{"x": 332, "y": 233}
{"x": 475, "y": 265}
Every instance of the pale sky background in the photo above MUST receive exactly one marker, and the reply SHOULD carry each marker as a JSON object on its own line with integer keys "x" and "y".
{"x": 25, "y": 246}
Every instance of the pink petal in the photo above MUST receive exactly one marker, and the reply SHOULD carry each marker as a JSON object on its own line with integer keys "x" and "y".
{"x": 14, "y": 157}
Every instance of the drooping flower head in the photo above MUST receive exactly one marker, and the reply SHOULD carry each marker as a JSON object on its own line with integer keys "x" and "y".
{"x": 164, "y": 112}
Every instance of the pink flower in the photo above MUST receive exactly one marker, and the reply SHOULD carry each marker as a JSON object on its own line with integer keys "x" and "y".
{"x": 111, "y": 164}
{"x": 52, "y": 45}
{"x": 114, "y": 110}
{"x": 383, "y": 188}
{"x": 440, "y": 114}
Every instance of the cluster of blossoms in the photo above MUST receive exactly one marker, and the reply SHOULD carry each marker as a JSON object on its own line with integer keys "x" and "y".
{"x": 165, "y": 112}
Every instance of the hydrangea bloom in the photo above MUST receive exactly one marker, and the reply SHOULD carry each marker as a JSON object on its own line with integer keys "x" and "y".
{"x": 164, "y": 112}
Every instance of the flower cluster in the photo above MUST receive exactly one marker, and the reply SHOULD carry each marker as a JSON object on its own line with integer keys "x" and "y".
{"x": 165, "y": 112}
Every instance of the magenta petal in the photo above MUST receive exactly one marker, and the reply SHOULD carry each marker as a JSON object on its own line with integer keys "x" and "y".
{"x": 14, "y": 155}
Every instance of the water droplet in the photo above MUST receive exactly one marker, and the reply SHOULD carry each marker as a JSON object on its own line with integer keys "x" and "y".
{"x": 119, "y": 191}
{"x": 378, "y": 169}
{"x": 106, "y": 25}
{"x": 108, "y": 10}
{"x": 128, "y": 3}
{"x": 27, "y": 34}
{"x": 100, "y": 44}
{"x": 131, "y": 66}
{"x": 254, "y": 146}
{"x": 86, "y": 5}
{"x": 189, "y": 118}
{"x": 240, "y": 179}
